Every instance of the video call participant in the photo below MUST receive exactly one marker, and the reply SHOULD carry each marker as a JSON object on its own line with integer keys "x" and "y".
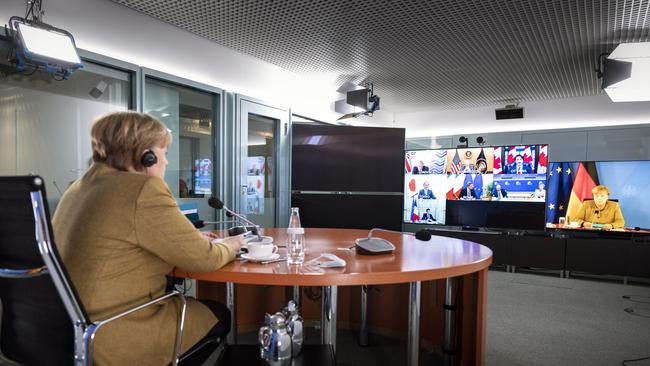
{"x": 540, "y": 192}
{"x": 481, "y": 166}
{"x": 519, "y": 167}
{"x": 499, "y": 193}
{"x": 425, "y": 192}
{"x": 119, "y": 232}
{"x": 427, "y": 216}
{"x": 468, "y": 192}
{"x": 601, "y": 212}
{"x": 420, "y": 168}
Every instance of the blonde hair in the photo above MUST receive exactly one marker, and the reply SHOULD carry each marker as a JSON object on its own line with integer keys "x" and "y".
{"x": 119, "y": 139}
{"x": 599, "y": 189}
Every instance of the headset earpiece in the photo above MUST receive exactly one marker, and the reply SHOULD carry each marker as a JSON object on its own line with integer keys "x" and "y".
{"x": 148, "y": 159}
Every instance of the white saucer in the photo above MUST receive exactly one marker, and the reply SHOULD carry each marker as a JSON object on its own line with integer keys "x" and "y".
{"x": 249, "y": 257}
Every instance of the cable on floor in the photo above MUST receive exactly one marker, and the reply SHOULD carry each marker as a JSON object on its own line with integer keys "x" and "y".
{"x": 626, "y": 362}
{"x": 631, "y": 312}
{"x": 632, "y": 298}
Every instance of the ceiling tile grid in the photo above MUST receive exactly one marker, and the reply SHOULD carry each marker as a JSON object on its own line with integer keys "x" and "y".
{"x": 424, "y": 54}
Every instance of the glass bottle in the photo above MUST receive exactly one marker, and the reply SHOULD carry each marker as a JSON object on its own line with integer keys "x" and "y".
{"x": 295, "y": 239}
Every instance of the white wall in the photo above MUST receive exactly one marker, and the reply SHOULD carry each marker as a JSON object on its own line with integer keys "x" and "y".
{"x": 552, "y": 114}
{"x": 104, "y": 27}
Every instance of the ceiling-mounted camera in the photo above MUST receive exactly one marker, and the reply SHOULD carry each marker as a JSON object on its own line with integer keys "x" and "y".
{"x": 463, "y": 141}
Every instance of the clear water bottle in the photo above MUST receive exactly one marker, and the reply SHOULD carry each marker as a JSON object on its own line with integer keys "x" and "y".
{"x": 295, "y": 239}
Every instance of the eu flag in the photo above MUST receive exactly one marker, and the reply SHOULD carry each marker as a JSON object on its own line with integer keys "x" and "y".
{"x": 468, "y": 180}
{"x": 560, "y": 181}
{"x": 478, "y": 185}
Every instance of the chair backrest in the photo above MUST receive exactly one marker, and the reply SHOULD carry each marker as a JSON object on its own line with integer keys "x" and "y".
{"x": 38, "y": 311}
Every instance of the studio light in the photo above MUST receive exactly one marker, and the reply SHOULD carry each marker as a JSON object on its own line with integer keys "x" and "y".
{"x": 626, "y": 73}
{"x": 40, "y": 46}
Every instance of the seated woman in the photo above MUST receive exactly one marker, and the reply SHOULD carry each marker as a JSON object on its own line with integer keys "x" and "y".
{"x": 600, "y": 212}
{"x": 119, "y": 232}
{"x": 540, "y": 192}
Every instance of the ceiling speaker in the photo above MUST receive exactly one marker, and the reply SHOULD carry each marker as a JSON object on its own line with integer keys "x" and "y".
{"x": 509, "y": 113}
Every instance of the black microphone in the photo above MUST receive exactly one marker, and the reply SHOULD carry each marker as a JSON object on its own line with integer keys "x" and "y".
{"x": 216, "y": 203}
{"x": 373, "y": 245}
{"x": 201, "y": 224}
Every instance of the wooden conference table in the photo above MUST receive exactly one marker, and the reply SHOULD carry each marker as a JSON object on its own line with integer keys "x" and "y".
{"x": 412, "y": 262}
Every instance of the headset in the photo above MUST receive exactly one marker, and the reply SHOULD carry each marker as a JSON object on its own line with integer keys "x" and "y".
{"x": 148, "y": 159}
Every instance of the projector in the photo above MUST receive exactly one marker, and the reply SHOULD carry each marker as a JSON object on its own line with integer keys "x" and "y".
{"x": 509, "y": 112}
{"x": 364, "y": 99}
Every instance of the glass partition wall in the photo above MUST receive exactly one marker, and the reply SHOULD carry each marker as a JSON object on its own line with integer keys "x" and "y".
{"x": 190, "y": 113}
{"x": 45, "y": 123}
{"x": 224, "y": 145}
{"x": 262, "y": 167}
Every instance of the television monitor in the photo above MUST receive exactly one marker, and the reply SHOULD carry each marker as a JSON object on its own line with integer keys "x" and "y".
{"x": 476, "y": 179}
{"x": 345, "y": 158}
{"x": 202, "y": 176}
{"x": 570, "y": 186}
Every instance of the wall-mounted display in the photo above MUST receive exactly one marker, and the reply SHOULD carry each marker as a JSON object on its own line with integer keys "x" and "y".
{"x": 598, "y": 195}
{"x": 496, "y": 173}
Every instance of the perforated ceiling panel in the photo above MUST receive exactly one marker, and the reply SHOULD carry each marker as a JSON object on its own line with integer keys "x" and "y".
{"x": 424, "y": 54}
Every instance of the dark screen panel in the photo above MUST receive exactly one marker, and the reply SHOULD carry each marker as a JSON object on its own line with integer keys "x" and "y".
{"x": 496, "y": 214}
{"x": 349, "y": 211}
{"x": 344, "y": 158}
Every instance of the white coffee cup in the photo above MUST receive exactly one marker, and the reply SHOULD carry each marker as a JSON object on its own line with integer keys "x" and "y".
{"x": 257, "y": 249}
{"x": 265, "y": 239}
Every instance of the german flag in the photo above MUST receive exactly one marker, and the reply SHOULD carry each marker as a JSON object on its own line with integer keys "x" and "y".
{"x": 586, "y": 179}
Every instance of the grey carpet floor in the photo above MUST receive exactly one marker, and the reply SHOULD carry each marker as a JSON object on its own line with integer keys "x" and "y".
{"x": 541, "y": 320}
{"x": 534, "y": 320}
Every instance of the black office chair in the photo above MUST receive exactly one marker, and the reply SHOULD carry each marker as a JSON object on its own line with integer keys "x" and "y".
{"x": 43, "y": 320}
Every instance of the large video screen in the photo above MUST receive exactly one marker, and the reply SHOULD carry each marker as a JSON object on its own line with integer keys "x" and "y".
{"x": 346, "y": 158}
{"x": 591, "y": 195}
{"x": 498, "y": 173}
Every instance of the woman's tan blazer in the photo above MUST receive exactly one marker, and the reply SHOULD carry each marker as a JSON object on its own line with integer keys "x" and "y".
{"x": 118, "y": 234}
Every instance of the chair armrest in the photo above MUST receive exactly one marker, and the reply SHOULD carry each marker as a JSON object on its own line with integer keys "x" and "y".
{"x": 89, "y": 334}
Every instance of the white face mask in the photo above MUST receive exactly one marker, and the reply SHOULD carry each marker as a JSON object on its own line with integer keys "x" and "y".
{"x": 332, "y": 261}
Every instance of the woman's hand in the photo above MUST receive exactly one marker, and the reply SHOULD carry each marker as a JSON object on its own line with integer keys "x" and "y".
{"x": 587, "y": 225}
{"x": 235, "y": 242}
{"x": 209, "y": 235}
{"x": 608, "y": 227}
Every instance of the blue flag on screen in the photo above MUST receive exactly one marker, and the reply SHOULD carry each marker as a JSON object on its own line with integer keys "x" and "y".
{"x": 560, "y": 181}
{"x": 415, "y": 215}
{"x": 478, "y": 185}
{"x": 468, "y": 180}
